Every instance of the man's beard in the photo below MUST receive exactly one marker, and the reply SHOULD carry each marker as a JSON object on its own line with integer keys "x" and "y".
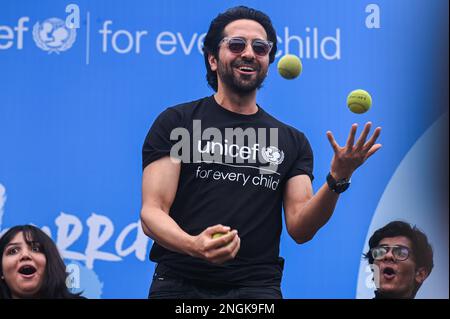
{"x": 241, "y": 84}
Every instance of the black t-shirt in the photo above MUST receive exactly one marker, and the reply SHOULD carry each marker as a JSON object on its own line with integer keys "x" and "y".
{"x": 234, "y": 168}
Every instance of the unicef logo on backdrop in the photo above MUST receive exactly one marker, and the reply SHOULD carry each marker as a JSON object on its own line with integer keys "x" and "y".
{"x": 53, "y": 35}
{"x": 272, "y": 155}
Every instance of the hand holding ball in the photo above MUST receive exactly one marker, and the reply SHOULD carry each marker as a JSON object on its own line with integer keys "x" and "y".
{"x": 359, "y": 101}
{"x": 289, "y": 66}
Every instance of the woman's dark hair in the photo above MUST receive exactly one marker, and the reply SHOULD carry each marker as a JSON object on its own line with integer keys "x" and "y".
{"x": 215, "y": 35}
{"x": 54, "y": 281}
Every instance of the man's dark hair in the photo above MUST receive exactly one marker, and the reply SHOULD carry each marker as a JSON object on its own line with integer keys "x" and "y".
{"x": 215, "y": 35}
{"x": 54, "y": 284}
{"x": 421, "y": 248}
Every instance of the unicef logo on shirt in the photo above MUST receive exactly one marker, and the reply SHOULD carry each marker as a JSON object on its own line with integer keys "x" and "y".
{"x": 53, "y": 35}
{"x": 272, "y": 155}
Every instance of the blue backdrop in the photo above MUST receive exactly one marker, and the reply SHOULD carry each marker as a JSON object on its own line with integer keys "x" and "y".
{"x": 76, "y": 104}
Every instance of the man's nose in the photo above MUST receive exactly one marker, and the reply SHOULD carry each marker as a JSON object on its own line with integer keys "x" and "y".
{"x": 389, "y": 255}
{"x": 248, "y": 52}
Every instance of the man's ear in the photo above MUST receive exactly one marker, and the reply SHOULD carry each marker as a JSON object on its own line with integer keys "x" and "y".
{"x": 421, "y": 275}
{"x": 212, "y": 62}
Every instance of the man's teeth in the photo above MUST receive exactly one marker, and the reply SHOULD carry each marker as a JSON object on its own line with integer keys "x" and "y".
{"x": 246, "y": 69}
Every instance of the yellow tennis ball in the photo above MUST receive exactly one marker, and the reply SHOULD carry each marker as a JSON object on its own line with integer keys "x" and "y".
{"x": 217, "y": 235}
{"x": 289, "y": 66}
{"x": 359, "y": 101}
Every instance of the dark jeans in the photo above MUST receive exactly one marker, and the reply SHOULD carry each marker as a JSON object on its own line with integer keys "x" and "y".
{"x": 166, "y": 285}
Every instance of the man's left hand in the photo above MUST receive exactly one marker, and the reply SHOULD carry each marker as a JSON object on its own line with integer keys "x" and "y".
{"x": 348, "y": 158}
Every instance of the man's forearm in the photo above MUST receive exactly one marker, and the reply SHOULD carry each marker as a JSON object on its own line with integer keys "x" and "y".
{"x": 314, "y": 214}
{"x": 158, "y": 225}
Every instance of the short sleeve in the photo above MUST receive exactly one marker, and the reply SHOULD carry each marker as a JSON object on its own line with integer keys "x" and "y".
{"x": 304, "y": 162}
{"x": 157, "y": 144}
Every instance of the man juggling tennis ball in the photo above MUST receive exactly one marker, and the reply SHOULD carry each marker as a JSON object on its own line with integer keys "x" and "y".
{"x": 289, "y": 66}
{"x": 359, "y": 101}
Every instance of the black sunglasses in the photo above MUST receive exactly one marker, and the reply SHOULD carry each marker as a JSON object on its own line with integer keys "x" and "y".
{"x": 237, "y": 45}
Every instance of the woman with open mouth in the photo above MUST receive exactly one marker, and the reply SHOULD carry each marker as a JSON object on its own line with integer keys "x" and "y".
{"x": 31, "y": 266}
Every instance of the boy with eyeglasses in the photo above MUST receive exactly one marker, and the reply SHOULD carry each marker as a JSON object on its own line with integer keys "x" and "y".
{"x": 402, "y": 259}
{"x": 214, "y": 212}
